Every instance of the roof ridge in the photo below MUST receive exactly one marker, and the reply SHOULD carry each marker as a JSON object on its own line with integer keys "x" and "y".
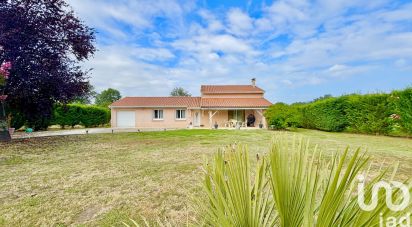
{"x": 228, "y": 85}
{"x": 162, "y": 97}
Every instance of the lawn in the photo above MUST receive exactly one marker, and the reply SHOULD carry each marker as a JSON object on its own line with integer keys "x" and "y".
{"x": 101, "y": 180}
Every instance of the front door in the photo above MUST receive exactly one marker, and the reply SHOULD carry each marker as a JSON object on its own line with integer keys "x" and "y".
{"x": 196, "y": 119}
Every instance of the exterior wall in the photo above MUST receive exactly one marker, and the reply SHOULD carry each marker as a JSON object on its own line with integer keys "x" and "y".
{"x": 240, "y": 95}
{"x": 221, "y": 117}
{"x": 259, "y": 118}
{"x": 144, "y": 118}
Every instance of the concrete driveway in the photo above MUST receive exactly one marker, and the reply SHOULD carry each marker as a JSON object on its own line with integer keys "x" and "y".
{"x": 19, "y": 135}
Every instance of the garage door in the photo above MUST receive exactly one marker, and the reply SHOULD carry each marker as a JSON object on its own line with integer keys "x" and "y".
{"x": 126, "y": 119}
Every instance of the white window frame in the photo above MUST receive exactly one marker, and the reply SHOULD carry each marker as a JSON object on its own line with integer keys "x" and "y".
{"x": 176, "y": 114}
{"x": 159, "y": 111}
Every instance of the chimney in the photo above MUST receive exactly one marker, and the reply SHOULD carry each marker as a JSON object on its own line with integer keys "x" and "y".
{"x": 254, "y": 82}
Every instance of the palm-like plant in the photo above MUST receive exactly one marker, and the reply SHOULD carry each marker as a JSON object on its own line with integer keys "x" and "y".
{"x": 233, "y": 199}
{"x": 305, "y": 189}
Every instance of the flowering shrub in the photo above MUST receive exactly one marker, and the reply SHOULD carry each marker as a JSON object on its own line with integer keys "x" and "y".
{"x": 4, "y": 75}
{"x": 5, "y": 69}
{"x": 4, "y": 72}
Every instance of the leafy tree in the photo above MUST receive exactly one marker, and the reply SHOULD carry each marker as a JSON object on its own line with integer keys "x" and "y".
{"x": 46, "y": 42}
{"x": 323, "y": 97}
{"x": 179, "y": 91}
{"x": 86, "y": 98}
{"x": 107, "y": 97}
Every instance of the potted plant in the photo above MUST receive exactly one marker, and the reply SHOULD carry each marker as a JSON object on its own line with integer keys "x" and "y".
{"x": 216, "y": 125}
{"x": 260, "y": 125}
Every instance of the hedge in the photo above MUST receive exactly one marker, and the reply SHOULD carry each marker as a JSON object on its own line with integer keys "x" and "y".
{"x": 327, "y": 115}
{"x": 283, "y": 116}
{"x": 387, "y": 114}
{"x": 77, "y": 114}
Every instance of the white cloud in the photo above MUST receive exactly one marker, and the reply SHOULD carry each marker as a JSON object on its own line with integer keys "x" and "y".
{"x": 239, "y": 22}
{"x": 116, "y": 67}
{"x": 211, "y": 43}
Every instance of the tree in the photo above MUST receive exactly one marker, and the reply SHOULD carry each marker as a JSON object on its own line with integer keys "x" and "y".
{"x": 179, "y": 91}
{"x": 327, "y": 96}
{"x": 86, "y": 98}
{"x": 107, "y": 97}
{"x": 46, "y": 43}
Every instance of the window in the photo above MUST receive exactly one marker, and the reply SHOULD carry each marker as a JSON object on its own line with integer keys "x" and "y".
{"x": 180, "y": 114}
{"x": 238, "y": 115}
{"x": 158, "y": 114}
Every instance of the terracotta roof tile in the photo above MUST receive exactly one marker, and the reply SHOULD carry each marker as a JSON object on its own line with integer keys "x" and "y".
{"x": 230, "y": 89}
{"x": 234, "y": 102}
{"x": 157, "y": 102}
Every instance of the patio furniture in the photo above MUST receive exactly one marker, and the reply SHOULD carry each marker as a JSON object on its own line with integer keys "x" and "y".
{"x": 228, "y": 124}
{"x": 238, "y": 125}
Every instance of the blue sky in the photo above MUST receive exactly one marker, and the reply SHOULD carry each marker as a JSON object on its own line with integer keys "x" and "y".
{"x": 298, "y": 50}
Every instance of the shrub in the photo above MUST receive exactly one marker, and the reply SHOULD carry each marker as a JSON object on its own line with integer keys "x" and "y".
{"x": 327, "y": 115}
{"x": 281, "y": 116}
{"x": 368, "y": 113}
{"x": 17, "y": 119}
{"x": 387, "y": 114}
{"x": 294, "y": 186}
{"x": 401, "y": 102}
{"x": 77, "y": 114}
{"x": 93, "y": 116}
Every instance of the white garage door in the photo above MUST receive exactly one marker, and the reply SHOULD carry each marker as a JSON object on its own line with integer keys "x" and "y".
{"x": 126, "y": 119}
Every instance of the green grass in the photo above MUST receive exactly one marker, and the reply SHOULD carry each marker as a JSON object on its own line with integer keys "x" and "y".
{"x": 102, "y": 180}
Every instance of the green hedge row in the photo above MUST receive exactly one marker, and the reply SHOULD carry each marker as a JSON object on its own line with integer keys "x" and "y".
{"x": 77, "y": 114}
{"x": 388, "y": 114}
{"x": 281, "y": 116}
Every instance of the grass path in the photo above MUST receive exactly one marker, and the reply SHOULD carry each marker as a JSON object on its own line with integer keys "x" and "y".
{"x": 101, "y": 180}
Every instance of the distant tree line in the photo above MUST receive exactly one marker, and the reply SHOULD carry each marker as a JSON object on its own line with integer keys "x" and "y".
{"x": 385, "y": 114}
{"x": 179, "y": 91}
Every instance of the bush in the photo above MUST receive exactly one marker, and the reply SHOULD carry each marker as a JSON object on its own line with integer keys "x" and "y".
{"x": 17, "y": 119}
{"x": 77, "y": 114}
{"x": 93, "y": 116}
{"x": 281, "y": 116}
{"x": 327, "y": 115}
{"x": 401, "y": 103}
{"x": 386, "y": 114}
{"x": 368, "y": 113}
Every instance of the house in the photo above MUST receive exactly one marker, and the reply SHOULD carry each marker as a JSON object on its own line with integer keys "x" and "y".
{"x": 226, "y": 105}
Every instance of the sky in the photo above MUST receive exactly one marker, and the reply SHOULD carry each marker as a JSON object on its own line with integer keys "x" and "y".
{"x": 297, "y": 50}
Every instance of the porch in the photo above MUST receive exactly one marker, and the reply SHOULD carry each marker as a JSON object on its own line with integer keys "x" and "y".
{"x": 232, "y": 118}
